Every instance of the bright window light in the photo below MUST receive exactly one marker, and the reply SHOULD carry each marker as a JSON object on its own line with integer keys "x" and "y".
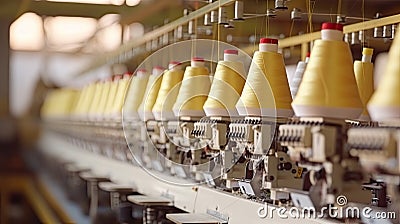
{"x": 67, "y": 32}
{"x": 109, "y": 38}
{"x": 26, "y": 33}
{"x": 132, "y": 31}
{"x": 132, "y": 2}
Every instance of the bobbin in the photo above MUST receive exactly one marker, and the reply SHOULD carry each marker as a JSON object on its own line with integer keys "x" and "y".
{"x": 268, "y": 45}
{"x": 197, "y": 62}
{"x": 332, "y": 31}
{"x": 127, "y": 75}
{"x": 231, "y": 55}
{"x": 174, "y": 65}
{"x": 157, "y": 70}
{"x": 367, "y": 54}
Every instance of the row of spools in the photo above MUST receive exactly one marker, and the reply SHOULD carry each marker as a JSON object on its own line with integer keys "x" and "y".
{"x": 328, "y": 84}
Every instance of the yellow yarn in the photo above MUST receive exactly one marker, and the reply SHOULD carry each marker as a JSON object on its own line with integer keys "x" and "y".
{"x": 96, "y": 99}
{"x": 193, "y": 92}
{"x": 365, "y": 82}
{"x": 118, "y": 103}
{"x": 228, "y": 82}
{"x": 329, "y": 87}
{"x": 167, "y": 94}
{"x": 82, "y": 95}
{"x": 100, "y": 108}
{"x": 110, "y": 99}
{"x": 135, "y": 96}
{"x": 59, "y": 104}
{"x": 87, "y": 97}
{"x": 266, "y": 87}
{"x": 150, "y": 97}
{"x": 385, "y": 102}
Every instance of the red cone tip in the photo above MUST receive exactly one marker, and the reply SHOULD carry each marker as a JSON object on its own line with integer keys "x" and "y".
{"x": 268, "y": 41}
{"x": 117, "y": 77}
{"x": 175, "y": 63}
{"x": 332, "y": 26}
{"x": 159, "y": 67}
{"x": 198, "y": 59}
{"x": 141, "y": 70}
{"x": 231, "y": 51}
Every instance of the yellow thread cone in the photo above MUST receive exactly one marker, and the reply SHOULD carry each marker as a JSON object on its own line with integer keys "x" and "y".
{"x": 227, "y": 85}
{"x": 87, "y": 98}
{"x": 150, "y": 94}
{"x": 96, "y": 99}
{"x": 135, "y": 95}
{"x": 329, "y": 88}
{"x": 171, "y": 81}
{"x": 100, "y": 107}
{"x": 78, "y": 107}
{"x": 59, "y": 104}
{"x": 107, "y": 109}
{"x": 385, "y": 102}
{"x": 266, "y": 91}
{"x": 116, "y": 112}
{"x": 365, "y": 82}
{"x": 193, "y": 91}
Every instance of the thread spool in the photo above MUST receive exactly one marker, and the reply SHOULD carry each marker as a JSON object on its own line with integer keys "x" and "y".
{"x": 385, "y": 102}
{"x": 87, "y": 98}
{"x": 135, "y": 95}
{"x": 194, "y": 90}
{"x": 227, "y": 85}
{"x": 378, "y": 32}
{"x": 266, "y": 91}
{"x": 96, "y": 100}
{"x": 106, "y": 114}
{"x": 78, "y": 108}
{"x": 100, "y": 108}
{"x": 191, "y": 27}
{"x": 162, "y": 109}
{"x": 327, "y": 89}
{"x": 394, "y": 27}
{"x": 239, "y": 8}
{"x": 364, "y": 76}
{"x": 207, "y": 19}
{"x": 355, "y": 39}
{"x": 295, "y": 14}
{"x": 59, "y": 104}
{"x": 387, "y": 31}
{"x": 116, "y": 111}
{"x": 150, "y": 94}
{"x": 222, "y": 16}
{"x": 298, "y": 76}
{"x": 214, "y": 16}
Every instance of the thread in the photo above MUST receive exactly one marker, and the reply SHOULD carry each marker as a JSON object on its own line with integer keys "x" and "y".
{"x": 105, "y": 91}
{"x": 116, "y": 112}
{"x": 266, "y": 91}
{"x": 135, "y": 94}
{"x": 81, "y": 97}
{"x": 85, "y": 102}
{"x": 150, "y": 94}
{"x": 329, "y": 88}
{"x": 194, "y": 89}
{"x": 365, "y": 82}
{"x": 385, "y": 102}
{"x": 59, "y": 104}
{"x": 227, "y": 85}
{"x": 96, "y": 100}
{"x": 107, "y": 109}
{"x": 171, "y": 81}
{"x": 298, "y": 76}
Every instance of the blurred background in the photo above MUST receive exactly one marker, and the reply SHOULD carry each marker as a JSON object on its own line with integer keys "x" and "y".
{"x": 47, "y": 44}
